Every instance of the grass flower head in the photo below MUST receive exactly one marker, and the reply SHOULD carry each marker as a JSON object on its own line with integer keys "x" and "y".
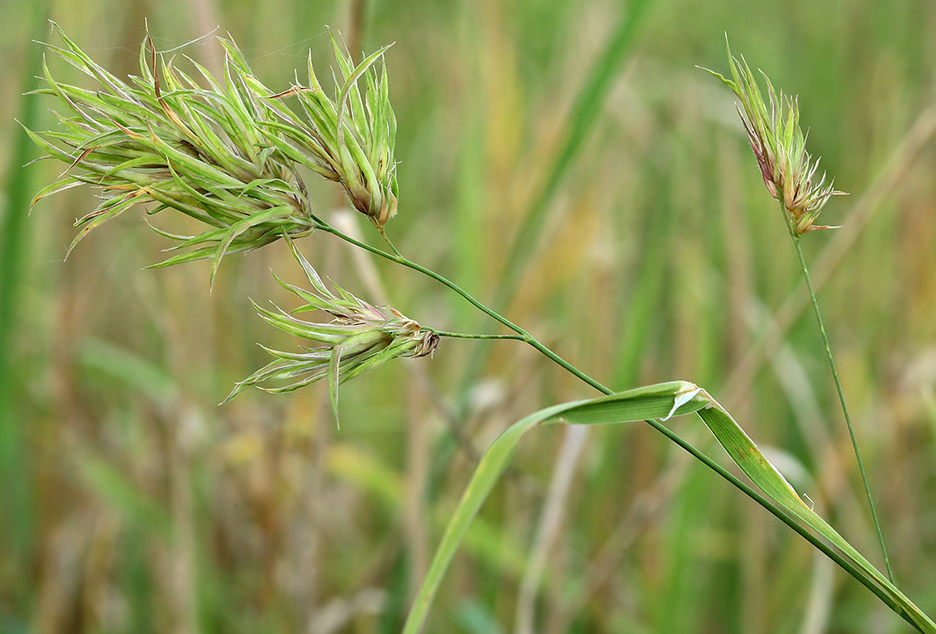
{"x": 358, "y": 338}
{"x": 228, "y": 153}
{"x": 780, "y": 147}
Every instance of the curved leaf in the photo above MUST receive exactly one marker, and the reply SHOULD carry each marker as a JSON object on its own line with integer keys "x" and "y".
{"x": 655, "y": 401}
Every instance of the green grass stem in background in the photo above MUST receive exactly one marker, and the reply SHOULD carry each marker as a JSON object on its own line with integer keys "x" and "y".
{"x": 580, "y": 122}
{"x": 17, "y": 519}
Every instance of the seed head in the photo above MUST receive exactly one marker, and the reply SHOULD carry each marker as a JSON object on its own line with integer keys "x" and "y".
{"x": 779, "y": 146}
{"x": 229, "y": 154}
{"x": 358, "y": 338}
{"x": 360, "y": 157}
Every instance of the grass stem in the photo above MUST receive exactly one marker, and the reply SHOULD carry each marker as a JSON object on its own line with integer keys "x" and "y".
{"x": 464, "y": 335}
{"x": 524, "y": 335}
{"x": 766, "y": 503}
{"x": 794, "y": 236}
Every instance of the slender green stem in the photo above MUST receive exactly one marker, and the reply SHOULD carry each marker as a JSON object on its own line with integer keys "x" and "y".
{"x": 794, "y": 236}
{"x": 388, "y": 241}
{"x": 523, "y": 335}
{"x": 464, "y": 335}
{"x": 777, "y": 512}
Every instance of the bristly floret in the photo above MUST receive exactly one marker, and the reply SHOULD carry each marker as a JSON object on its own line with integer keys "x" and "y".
{"x": 779, "y": 146}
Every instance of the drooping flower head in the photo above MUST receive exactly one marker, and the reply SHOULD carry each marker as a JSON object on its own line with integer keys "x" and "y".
{"x": 780, "y": 146}
{"x": 357, "y": 339}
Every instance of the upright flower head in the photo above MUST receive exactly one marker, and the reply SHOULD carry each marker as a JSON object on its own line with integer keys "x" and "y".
{"x": 358, "y": 338}
{"x": 779, "y": 146}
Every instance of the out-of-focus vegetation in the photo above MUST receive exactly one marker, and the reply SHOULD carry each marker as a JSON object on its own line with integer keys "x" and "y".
{"x": 132, "y": 502}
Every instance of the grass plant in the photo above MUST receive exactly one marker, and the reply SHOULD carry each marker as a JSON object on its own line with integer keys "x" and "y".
{"x": 779, "y": 146}
{"x": 244, "y": 164}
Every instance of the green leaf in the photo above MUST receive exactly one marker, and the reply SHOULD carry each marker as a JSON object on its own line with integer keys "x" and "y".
{"x": 763, "y": 474}
{"x": 651, "y": 402}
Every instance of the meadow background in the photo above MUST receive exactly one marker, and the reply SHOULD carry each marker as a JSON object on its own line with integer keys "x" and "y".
{"x": 566, "y": 161}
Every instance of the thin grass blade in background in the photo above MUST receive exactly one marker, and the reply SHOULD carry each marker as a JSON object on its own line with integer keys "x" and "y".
{"x": 16, "y": 512}
{"x": 580, "y": 122}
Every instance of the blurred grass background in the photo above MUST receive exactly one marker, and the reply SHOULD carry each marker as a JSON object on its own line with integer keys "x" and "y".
{"x": 648, "y": 251}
